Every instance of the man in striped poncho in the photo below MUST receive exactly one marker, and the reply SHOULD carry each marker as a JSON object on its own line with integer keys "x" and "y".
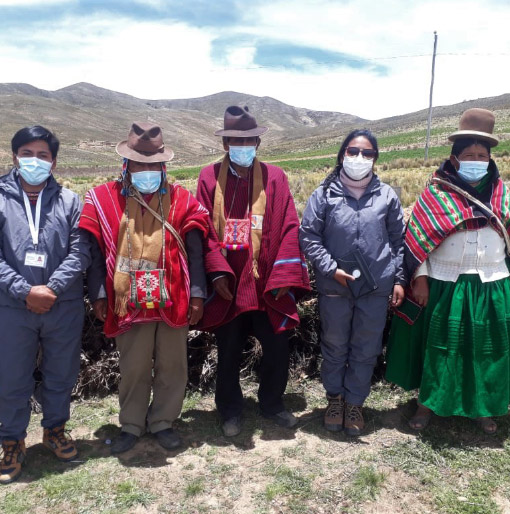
{"x": 150, "y": 234}
{"x": 254, "y": 265}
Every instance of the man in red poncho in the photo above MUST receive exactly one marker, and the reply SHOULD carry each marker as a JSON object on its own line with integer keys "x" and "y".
{"x": 150, "y": 234}
{"x": 254, "y": 265}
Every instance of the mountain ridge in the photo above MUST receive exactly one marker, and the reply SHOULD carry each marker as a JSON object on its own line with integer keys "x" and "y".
{"x": 89, "y": 120}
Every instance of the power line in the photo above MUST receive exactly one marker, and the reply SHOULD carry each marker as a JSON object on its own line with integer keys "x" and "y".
{"x": 347, "y": 60}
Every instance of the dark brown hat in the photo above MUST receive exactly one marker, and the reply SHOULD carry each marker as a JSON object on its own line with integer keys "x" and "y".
{"x": 476, "y": 123}
{"x": 144, "y": 144}
{"x": 238, "y": 122}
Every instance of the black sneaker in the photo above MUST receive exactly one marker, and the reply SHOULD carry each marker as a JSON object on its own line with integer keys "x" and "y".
{"x": 283, "y": 419}
{"x": 168, "y": 438}
{"x": 123, "y": 442}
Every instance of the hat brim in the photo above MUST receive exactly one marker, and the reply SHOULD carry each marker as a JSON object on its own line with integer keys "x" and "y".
{"x": 484, "y": 136}
{"x": 124, "y": 151}
{"x": 258, "y": 131}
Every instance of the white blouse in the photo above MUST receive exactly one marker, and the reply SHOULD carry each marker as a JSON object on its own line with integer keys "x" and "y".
{"x": 471, "y": 252}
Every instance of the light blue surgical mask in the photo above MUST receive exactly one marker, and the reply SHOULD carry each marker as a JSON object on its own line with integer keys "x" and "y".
{"x": 34, "y": 171}
{"x": 147, "y": 181}
{"x": 472, "y": 171}
{"x": 242, "y": 155}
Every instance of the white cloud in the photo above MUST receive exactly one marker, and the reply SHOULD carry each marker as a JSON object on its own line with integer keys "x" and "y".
{"x": 172, "y": 60}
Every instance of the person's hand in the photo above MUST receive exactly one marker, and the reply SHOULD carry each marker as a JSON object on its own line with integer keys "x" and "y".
{"x": 100, "y": 308}
{"x": 195, "y": 310}
{"x": 282, "y": 291}
{"x": 398, "y": 295}
{"x": 221, "y": 287}
{"x": 420, "y": 288}
{"x": 342, "y": 277}
{"x": 40, "y": 299}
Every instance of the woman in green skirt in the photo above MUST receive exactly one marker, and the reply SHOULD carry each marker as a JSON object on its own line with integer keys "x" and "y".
{"x": 451, "y": 339}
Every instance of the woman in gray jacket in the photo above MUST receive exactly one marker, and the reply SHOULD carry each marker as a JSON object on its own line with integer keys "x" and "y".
{"x": 353, "y": 233}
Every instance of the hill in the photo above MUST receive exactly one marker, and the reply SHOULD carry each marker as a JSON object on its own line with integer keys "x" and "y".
{"x": 90, "y": 120}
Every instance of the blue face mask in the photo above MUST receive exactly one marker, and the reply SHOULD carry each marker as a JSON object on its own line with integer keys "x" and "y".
{"x": 242, "y": 155}
{"x": 34, "y": 171}
{"x": 472, "y": 171}
{"x": 146, "y": 181}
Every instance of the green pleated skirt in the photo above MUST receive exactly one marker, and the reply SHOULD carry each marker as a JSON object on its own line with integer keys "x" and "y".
{"x": 457, "y": 352}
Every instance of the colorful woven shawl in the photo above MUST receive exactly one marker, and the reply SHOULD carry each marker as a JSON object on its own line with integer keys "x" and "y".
{"x": 440, "y": 211}
{"x": 102, "y": 215}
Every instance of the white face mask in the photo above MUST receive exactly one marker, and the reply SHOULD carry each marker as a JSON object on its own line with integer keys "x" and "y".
{"x": 357, "y": 167}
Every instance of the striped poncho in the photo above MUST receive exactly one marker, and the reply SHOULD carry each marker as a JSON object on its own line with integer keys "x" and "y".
{"x": 102, "y": 214}
{"x": 280, "y": 261}
{"x": 440, "y": 211}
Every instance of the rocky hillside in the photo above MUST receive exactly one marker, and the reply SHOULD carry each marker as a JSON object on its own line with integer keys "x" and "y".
{"x": 90, "y": 120}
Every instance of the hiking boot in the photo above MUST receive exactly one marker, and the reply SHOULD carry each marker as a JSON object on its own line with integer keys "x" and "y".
{"x": 353, "y": 419}
{"x": 14, "y": 453}
{"x": 123, "y": 442}
{"x": 168, "y": 438}
{"x": 283, "y": 419}
{"x": 232, "y": 426}
{"x": 58, "y": 440}
{"x": 334, "y": 415}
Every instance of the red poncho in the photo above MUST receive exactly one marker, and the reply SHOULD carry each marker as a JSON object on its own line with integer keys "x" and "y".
{"x": 102, "y": 213}
{"x": 280, "y": 262}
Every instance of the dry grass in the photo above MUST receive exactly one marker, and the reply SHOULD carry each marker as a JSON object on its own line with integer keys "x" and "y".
{"x": 450, "y": 468}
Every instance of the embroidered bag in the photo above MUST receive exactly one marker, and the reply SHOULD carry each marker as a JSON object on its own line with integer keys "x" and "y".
{"x": 237, "y": 234}
{"x": 148, "y": 290}
{"x": 147, "y": 287}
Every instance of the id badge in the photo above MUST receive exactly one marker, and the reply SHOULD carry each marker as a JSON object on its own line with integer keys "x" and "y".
{"x": 35, "y": 259}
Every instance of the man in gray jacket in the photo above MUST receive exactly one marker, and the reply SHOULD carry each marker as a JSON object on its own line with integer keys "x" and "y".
{"x": 42, "y": 256}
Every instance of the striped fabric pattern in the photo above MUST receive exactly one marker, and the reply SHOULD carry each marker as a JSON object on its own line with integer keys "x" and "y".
{"x": 102, "y": 214}
{"x": 280, "y": 262}
{"x": 440, "y": 211}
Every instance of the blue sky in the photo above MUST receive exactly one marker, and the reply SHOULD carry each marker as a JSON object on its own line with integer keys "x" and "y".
{"x": 369, "y": 58}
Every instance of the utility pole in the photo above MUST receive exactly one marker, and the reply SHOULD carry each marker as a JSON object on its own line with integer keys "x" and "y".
{"x": 430, "y": 100}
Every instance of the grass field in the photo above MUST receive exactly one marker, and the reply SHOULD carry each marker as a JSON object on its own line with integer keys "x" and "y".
{"x": 452, "y": 467}
{"x": 409, "y": 174}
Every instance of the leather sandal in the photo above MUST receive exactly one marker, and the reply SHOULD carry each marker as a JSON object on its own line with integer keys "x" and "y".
{"x": 488, "y": 425}
{"x": 421, "y": 418}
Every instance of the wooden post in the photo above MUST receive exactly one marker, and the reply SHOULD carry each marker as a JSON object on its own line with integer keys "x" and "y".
{"x": 430, "y": 99}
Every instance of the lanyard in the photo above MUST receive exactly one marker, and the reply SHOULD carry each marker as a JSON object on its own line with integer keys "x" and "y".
{"x": 33, "y": 225}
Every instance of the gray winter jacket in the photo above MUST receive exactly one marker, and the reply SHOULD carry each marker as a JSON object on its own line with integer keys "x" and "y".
{"x": 66, "y": 246}
{"x": 334, "y": 223}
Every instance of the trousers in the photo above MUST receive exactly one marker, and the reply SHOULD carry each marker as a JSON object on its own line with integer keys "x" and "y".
{"x": 152, "y": 357}
{"x": 351, "y": 341}
{"x": 231, "y": 339}
{"x": 58, "y": 334}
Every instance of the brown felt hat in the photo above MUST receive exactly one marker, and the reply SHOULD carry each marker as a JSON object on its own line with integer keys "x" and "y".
{"x": 238, "y": 122}
{"x": 144, "y": 144}
{"x": 478, "y": 124}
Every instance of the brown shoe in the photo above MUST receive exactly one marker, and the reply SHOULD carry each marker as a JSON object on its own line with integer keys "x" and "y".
{"x": 353, "y": 422}
{"x": 334, "y": 415}
{"x": 14, "y": 453}
{"x": 60, "y": 443}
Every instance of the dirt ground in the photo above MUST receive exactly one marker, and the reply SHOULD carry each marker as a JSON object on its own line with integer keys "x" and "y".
{"x": 266, "y": 468}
